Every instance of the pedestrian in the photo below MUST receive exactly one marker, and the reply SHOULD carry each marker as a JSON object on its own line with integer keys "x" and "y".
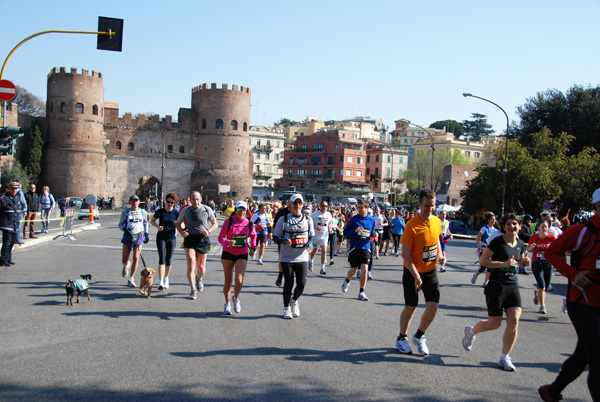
{"x": 261, "y": 221}
{"x": 359, "y": 230}
{"x": 481, "y": 240}
{"x": 200, "y": 222}
{"x": 446, "y": 235}
{"x": 397, "y": 225}
{"x": 380, "y": 224}
{"x": 501, "y": 257}
{"x": 323, "y": 223}
{"x": 134, "y": 224}
{"x": 47, "y": 205}
{"x": 32, "y": 200}
{"x": 541, "y": 268}
{"x": 387, "y": 232}
{"x": 238, "y": 237}
{"x": 583, "y": 302}
{"x": 166, "y": 238}
{"x": 22, "y": 212}
{"x": 281, "y": 212}
{"x": 295, "y": 232}
{"x": 421, "y": 251}
{"x": 9, "y": 222}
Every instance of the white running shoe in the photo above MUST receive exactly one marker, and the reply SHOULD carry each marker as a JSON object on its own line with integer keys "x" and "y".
{"x": 260, "y": 261}
{"x": 403, "y": 346}
{"x": 166, "y": 282}
{"x": 421, "y": 344}
{"x": 442, "y": 269}
{"x": 564, "y": 306}
{"x": 323, "y": 272}
{"x": 310, "y": 264}
{"x": 193, "y": 294}
{"x": 199, "y": 284}
{"x": 506, "y": 364}
{"x": 345, "y": 286}
{"x": 474, "y": 279}
{"x": 535, "y": 297}
{"x": 227, "y": 309}
{"x": 468, "y": 339}
{"x": 484, "y": 284}
{"x": 362, "y": 296}
{"x": 287, "y": 313}
{"x": 125, "y": 271}
{"x": 161, "y": 286}
{"x": 295, "y": 308}
{"x": 369, "y": 276}
{"x": 131, "y": 283}
{"x": 542, "y": 309}
{"x": 237, "y": 307}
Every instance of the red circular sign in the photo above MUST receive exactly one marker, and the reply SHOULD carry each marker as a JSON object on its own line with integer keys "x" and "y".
{"x": 7, "y": 90}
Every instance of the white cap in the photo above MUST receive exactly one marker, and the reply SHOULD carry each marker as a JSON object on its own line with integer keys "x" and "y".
{"x": 295, "y": 197}
{"x": 241, "y": 204}
{"x": 596, "y": 196}
{"x": 370, "y": 210}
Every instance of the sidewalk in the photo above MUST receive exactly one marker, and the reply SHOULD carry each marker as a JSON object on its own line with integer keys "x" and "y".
{"x": 78, "y": 227}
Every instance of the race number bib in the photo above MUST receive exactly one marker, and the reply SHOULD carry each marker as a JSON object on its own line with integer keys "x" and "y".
{"x": 323, "y": 221}
{"x": 240, "y": 240}
{"x": 540, "y": 255}
{"x": 429, "y": 253}
{"x": 298, "y": 241}
{"x": 364, "y": 234}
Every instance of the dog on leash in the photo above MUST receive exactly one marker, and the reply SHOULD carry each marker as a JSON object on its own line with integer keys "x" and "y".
{"x": 78, "y": 285}
{"x": 147, "y": 281}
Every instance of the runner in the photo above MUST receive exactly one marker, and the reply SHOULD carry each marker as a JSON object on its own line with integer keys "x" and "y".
{"x": 541, "y": 268}
{"x": 446, "y": 235}
{"x": 481, "y": 240}
{"x": 165, "y": 238}
{"x": 261, "y": 221}
{"x": 398, "y": 225}
{"x": 134, "y": 224}
{"x": 322, "y": 221}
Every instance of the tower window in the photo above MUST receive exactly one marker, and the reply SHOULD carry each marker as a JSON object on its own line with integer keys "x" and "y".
{"x": 219, "y": 124}
{"x": 170, "y": 149}
{"x": 95, "y": 110}
{"x": 63, "y": 107}
{"x": 118, "y": 145}
{"x": 245, "y": 126}
{"x": 181, "y": 149}
{"x": 234, "y": 125}
{"x": 130, "y": 146}
{"x": 79, "y": 108}
{"x": 203, "y": 123}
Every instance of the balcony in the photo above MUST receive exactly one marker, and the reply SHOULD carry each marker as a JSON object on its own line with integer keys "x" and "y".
{"x": 263, "y": 148}
{"x": 262, "y": 175}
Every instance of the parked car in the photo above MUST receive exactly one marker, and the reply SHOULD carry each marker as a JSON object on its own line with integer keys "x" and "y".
{"x": 84, "y": 211}
{"x": 75, "y": 202}
{"x": 458, "y": 227}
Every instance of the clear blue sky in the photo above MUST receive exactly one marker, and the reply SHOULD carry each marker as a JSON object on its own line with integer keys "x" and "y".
{"x": 325, "y": 59}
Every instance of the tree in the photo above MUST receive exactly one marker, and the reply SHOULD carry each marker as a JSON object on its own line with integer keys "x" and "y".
{"x": 577, "y": 113}
{"x": 477, "y": 127}
{"x": 452, "y": 126}
{"x": 32, "y": 156}
{"x": 286, "y": 122}
{"x": 29, "y": 104}
{"x": 13, "y": 171}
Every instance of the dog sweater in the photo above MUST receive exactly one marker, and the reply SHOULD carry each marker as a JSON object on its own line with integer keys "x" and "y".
{"x": 81, "y": 284}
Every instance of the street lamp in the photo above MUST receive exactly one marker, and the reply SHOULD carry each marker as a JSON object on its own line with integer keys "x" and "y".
{"x": 466, "y": 95}
{"x": 432, "y": 147}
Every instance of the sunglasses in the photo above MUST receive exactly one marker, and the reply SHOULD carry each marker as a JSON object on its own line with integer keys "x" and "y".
{"x": 170, "y": 202}
{"x": 297, "y": 202}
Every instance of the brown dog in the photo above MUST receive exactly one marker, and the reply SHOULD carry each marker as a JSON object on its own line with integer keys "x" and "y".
{"x": 147, "y": 281}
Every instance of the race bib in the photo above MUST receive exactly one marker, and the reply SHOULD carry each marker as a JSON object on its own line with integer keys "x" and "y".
{"x": 364, "y": 234}
{"x": 323, "y": 221}
{"x": 240, "y": 240}
{"x": 298, "y": 241}
{"x": 540, "y": 255}
{"x": 429, "y": 253}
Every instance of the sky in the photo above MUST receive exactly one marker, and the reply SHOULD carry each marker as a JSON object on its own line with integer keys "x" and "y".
{"x": 330, "y": 60}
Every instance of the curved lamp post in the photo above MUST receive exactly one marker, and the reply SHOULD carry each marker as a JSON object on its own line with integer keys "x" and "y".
{"x": 466, "y": 95}
{"x": 432, "y": 147}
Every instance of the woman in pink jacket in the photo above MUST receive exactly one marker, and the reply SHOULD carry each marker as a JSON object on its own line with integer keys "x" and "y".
{"x": 238, "y": 238}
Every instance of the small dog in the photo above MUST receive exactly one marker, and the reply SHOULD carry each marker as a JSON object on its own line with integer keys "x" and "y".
{"x": 147, "y": 281}
{"x": 78, "y": 285}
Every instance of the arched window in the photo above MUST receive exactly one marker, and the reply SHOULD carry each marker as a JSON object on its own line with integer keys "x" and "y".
{"x": 181, "y": 149}
{"x": 219, "y": 124}
{"x": 203, "y": 123}
{"x": 170, "y": 149}
{"x": 234, "y": 125}
{"x": 63, "y": 107}
{"x": 79, "y": 108}
{"x": 245, "y": 126}
{"x": 118, "y": 145}
{"x": 130, "y": 146}
{"x": 95, "y": 110}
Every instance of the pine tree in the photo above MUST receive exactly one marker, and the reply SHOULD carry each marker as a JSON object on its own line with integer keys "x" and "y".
{"x": 477, "y": 127}
{"x": 32, "y": 158}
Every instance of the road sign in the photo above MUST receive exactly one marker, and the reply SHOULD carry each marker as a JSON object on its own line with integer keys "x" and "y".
{"x": 547, "y": 205}
{"x": 7, "y": 90}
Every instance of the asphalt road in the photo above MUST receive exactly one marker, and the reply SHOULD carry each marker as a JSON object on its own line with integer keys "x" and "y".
{"x": 122, "y": 346}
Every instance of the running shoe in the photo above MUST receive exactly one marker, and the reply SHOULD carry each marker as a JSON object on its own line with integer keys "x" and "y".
{"x": 468, "y": 339}
{"x": 345, "y": 286}
{"x": 193, "y": 294}
{"x": 125, "y": 271}
{"x": 260, "y": 262}
{"x": 421, "y": 344}
{"x": 564, "y": 306}
{"x": 396, "y": 254}
{"x": 548, "y": 395}
{"x": 550, "y": 288}
{"x": 369, "y": 276}
{"x": 199, "y": 284}
{"x": 542, "y": 309}
{"x": 131, "y": 283}
{"x": 323, "y": 271}
{"x": 227, "y": 309}
{"x": 506, "y": 364}
{"x": 278, "y": 281}
{"x": 287, "y": 313}
{"x": 442, "y": 269}
{"x": 403, "y": 346}
{"x": 484, "y": 284}
{"x": 295, "y": 308}
{"x": 535, "y": 297}
{"x": 376, "y": 256}
{"x": 474, "y": 279}
{"x": 385, "y": 253}
{"x": 331, "y": 262}
{"x": 310, "y": 264}
{"x": 167, "y": 282}
{"x": 237, "y": 307}
{"x": 362, "y": 296}
{"x": 335, "y": 253}
{"x": 161, "y": 286}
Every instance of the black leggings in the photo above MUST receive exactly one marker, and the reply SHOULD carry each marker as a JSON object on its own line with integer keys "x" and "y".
{"x": 165, "y": 251}
{"x": 396, "y": 238}
{"x": 586, "y": 321}
{"x": 542, "y": 271}
{"x": 332, "y": 239}
{"x": 300, "y": 269}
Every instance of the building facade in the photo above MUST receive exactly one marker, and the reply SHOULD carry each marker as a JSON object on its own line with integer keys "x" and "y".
{"x": 267, "y": 145}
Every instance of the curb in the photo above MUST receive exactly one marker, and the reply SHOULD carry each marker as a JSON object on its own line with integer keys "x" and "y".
{"x": 45, "y": 238}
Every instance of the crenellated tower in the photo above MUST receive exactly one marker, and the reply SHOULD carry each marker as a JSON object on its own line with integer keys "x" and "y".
{"x": 222, "y": 144}
{"x": 75, "y": 161}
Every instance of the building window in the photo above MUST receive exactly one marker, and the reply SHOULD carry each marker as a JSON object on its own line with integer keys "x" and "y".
{"x": 245, "y": 126}
{"x": 359, "y": 173}
{"x": 301, "y": 172}
{"x": 348, "y": 172}
{"x": 341, "y": 158}
{"x": 389, "y": 158}
{"x": 303, "y": 146}
{"x": 377, "y": 172}
{"x": 349, "y": 159}
{"x": 277, "y": 144}
{"x": 468, "y": 153}
{"x": 330, "y": 160}
{"x": 222, "y": 149}
{"x": 359, "y": 160}
{"x": 258, "y": 156}
{"x": 376, "y": 158}
{"x": 291, "y": 160}
{"x": 95, "y": 110}
{"x": 170, "y": 149}
{"x": 318, "y": 147}
{"x": 315, "y": 172}
{"x": 337, "y": 145}
{"x": 203, "y": 123}
{"x": 130, "y": 146}
{"x": 402, "y": 159}
{"x": 368, "y": 158}
{"x": 477, "y": 155}
{"x": 181, "y": 149}
{"x": 315, "y": 160}
{"x": 234, "y": 124}
{"x": 219, "y": 124}
{"x": 118, "y": 145}
{"x": 79, "y": 108}
{"x": 341, "y": 172}
{"x": 368, "y": 171}
{"x": 63, "y": 107}
{"x": 205, "y": 148}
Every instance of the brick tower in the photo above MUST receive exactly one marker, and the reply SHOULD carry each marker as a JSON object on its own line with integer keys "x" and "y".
{"x": 75, "y": 160}
{"x": 223, "y": 142}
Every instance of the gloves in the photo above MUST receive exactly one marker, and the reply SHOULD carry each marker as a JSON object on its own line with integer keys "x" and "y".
{"x": 146, "y": 238}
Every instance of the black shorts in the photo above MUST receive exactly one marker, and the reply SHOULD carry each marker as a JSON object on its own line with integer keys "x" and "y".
{"x": 198, "y": 242}
{"x": 500, "y": 296}
{"x": 430, "y": 287}
{"x": 233, "y": 257}
{"x": 261, "y": 238}
{"x": 359, "y": 256}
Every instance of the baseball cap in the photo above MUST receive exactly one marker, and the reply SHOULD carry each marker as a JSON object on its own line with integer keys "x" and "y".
{"x": 240, "y": 204}
{"x": 295, "y": 197}
{"x": 596, "y": 196}
{"x": 134, "y": 198}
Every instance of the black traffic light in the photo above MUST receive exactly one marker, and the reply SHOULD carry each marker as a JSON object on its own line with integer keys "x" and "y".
{"x": 110, "y": 42}
{"x": 373, "y": 178}
{"x": 228, "y": 194}
{"x": 234, "y": 194}
{"x": 8, "y": 139}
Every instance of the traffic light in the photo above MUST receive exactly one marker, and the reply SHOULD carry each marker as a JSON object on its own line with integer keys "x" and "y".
{"x": 229, "y": 194}
{"x": 234, "y": 194}
{"x": 373, "y": 178}
{"x": 8, "y": 139}
{"x": 110, "y": 42}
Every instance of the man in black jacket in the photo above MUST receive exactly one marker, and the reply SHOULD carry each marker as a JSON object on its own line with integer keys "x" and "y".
{"x": 9, "y": 222}
{"x": 33, "y": 205}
